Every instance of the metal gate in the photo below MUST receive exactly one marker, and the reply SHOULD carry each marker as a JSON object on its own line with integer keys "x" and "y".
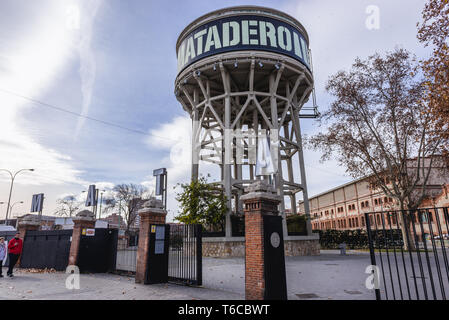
{"x": 411, "y": 261}
{"x": 185, "y": 254}
{"x": 126, "y": 259}
{"x": 274, "y": 259}
{"x": 98, "y": 252}
{"x": 46, "y": 249}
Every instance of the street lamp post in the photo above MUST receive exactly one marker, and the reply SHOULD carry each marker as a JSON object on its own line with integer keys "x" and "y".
{"x": 12, "y": 206}
{"x": 101, "y": 201}
{"x": 13, "y": 177}
{"x": 10, "y": 209}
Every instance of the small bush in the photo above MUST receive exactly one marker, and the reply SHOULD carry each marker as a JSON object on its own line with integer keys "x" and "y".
{"x": 358, "y": 239}
{"x": 354, "y": 239}
{"x": 297, "y": 225}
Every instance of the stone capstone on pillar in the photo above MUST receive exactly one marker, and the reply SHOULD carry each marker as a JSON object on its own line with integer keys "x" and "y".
{"x": 29, "y": 222}
{"x": 84, "y": 216}
{"x": 261, "y": 198}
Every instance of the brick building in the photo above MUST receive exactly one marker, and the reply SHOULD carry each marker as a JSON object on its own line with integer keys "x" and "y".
{"x": 344, "y": 207}
{"x": 114, "y": 221}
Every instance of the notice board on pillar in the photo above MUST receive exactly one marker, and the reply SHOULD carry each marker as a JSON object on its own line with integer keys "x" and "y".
{"x": 274, "y": 259}
{"x": 157, "y": 270}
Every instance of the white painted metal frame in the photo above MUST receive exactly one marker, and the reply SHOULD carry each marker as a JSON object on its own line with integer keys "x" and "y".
{"x": 242, "y": 90}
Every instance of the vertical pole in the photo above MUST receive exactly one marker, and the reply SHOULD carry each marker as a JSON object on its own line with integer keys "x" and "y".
{"x": 165, "y": 191}
{"x": 119, "y": 215}
{"x": 195, "y": 128}
{"x": 228, "y": 153}
{"x": 9, "y": 199}
{"x": 96, "y": 203}
{"x": 297, "y": 130}
{"x": 256, "y": 132}
{"x": 279, "y": 180}
{"x": 239, "y": 176}
{"x": 101, "y": 201}
{"x": 371, "y": 250}
{"x": 199, "y": 254}
{"x": 290, "y": 172}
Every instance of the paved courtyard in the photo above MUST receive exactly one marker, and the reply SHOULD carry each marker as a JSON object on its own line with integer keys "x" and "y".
{"x": 328, "y": 276}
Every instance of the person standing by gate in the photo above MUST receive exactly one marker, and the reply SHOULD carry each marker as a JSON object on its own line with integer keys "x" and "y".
{"x": 2, "y": 254}
{"x": 14, "y": 249}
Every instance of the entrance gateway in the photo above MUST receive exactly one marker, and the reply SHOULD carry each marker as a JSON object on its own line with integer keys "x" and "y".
{"x": 174, "y": 254}
{"x": 244, "y": 77}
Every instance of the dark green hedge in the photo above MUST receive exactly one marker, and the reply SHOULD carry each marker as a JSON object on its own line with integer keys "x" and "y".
{"x": 296, "y": 225}
{"x": 354, "y": 239}
{"x": 358, "y": 239}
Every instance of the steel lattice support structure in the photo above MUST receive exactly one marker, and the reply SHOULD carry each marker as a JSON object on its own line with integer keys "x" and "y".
{"x": 242, "y": 90}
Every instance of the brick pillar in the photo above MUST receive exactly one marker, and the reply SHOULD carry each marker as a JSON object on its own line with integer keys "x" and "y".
{"x": 29, "y": 223}
{"x": 259, "y": 201}
{"x": 84, "y": 219}
{"x": 151, "y": 213}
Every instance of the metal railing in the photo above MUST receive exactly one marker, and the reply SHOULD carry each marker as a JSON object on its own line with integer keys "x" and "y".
{"x": 127, "y": 259}
{"x": 185, "y": 254}
{"x": 409, "y": 250}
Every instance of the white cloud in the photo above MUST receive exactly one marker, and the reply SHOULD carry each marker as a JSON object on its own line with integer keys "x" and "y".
{"x": 103, "y": 185}
{"x": 338, "y": 34}
{"x": 31, "y": 59}
{"x": 87, "y": 58}
{"x": 31, "y": 65}
{"x": 174, "y": 138}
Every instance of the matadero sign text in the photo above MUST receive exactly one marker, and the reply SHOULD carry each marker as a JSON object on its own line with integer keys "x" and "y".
{"x": 243, "y": 33}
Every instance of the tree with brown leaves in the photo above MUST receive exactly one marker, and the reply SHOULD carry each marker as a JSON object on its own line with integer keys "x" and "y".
{"x": 127, "y": 200}
{"x": 376, "y": 127}
{"x": 68, "y": 206}
{"x": 434, "y": 32}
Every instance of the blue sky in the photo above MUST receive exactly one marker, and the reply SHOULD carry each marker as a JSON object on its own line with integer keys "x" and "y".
{"x": 117, "y": 62}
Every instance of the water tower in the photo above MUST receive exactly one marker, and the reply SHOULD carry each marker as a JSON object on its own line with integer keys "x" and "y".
{"x": 247, "y": 69}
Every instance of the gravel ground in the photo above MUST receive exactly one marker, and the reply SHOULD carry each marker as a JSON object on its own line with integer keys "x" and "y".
{"x": 328, "y": 276}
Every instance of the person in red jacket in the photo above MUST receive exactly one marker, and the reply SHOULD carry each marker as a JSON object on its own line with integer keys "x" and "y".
{"x": 14, "y": 250}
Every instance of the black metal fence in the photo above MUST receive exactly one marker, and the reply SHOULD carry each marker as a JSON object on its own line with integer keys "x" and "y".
{"x": 409, "y": 248}
{"x": 185, "y": 254}
{"x": 98, "y": 252}
{"x": 296, "y": 226}
{"x": 46, "y": 249}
